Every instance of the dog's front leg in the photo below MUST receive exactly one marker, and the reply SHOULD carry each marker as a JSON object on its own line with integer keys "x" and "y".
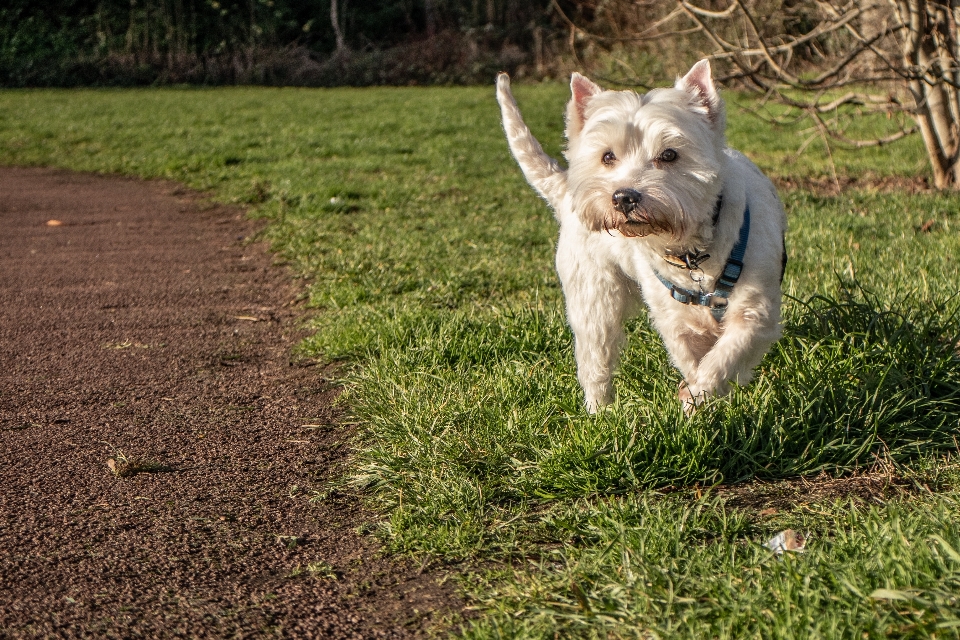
{"x": 599, "y": 298}
{"x": 747, "y": 334}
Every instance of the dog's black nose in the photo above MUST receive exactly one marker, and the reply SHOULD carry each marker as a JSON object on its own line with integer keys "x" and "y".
{"x": 626, "y": 200}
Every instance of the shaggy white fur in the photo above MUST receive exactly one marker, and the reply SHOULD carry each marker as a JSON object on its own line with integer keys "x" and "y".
{"x": 646, "y": 174}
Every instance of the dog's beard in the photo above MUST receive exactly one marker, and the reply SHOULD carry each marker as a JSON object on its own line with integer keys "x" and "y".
{"x": 660, "y": 213}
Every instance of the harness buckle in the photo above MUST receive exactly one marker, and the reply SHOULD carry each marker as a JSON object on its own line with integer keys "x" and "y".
{"x": 732, "y": 270}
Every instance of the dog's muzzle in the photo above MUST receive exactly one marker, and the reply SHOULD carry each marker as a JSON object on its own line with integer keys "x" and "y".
{"x": 636, "y": 221}
{"x": 626, "y": 200}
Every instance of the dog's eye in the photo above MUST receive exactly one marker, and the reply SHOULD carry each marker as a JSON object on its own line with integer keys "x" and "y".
{"x": 668, "y": 155}
{"x": 608, "y": 158}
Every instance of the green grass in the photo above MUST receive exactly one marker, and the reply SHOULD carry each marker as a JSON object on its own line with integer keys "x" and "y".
{"x": 429, "y": 263}
{"x": 670, "y": 567}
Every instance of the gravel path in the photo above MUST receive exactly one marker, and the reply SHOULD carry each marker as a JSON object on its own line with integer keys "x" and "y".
{"x": 159, "y": 445}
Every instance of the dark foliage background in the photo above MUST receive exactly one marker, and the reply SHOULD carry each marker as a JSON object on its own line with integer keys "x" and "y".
{"x": 137, "y": 42}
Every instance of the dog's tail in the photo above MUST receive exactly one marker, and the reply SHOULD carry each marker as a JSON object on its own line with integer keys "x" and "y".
{"x": 543, "y": 172}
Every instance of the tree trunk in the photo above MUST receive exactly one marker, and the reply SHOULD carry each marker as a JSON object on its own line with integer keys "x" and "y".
{"x": 431, "y": 15}
{"x": 538, "y": 48}
{"x": 930, "y": 60}
{"x": 337, "y": 31}
{"x": 131, "y": 26}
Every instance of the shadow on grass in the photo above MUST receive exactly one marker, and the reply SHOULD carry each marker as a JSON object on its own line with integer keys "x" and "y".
{"x": 855, "y": 381}
{"x": 851, "y": 382}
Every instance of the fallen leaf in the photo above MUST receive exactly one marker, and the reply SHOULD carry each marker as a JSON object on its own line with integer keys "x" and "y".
{"x": 787, "y": 540}
{"x": 890, "y": 594}
{"x": 54, "y": 223}
{"x": 249, "y": 318}
{"x": 768, "y": 512}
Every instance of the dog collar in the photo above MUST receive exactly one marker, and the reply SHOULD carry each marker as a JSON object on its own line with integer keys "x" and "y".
{"x": 717, "y": 300}
{"x": 691, "y": 260}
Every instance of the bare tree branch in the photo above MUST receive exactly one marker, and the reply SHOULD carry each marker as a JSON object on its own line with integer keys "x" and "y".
{"x": 852, "y": 58}
{"x": 650, "y": 33}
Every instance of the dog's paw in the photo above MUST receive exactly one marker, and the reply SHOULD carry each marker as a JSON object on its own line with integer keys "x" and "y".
{"x": 689, "y": 398}
{"x": 686, "y": 398}
{"x": 597, "y": 402}
{"x": 594, "y": 405}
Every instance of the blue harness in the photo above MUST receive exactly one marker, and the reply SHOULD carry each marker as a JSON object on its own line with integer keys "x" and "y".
{"x": 716, "y": 301}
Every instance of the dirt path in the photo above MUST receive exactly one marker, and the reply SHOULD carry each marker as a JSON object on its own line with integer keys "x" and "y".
{"x": 143, "y": 328}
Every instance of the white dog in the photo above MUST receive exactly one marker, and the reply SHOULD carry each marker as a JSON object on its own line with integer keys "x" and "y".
{"x": 655, "y": 205}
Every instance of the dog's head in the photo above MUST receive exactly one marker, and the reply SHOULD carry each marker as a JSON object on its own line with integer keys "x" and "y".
{"x": 646, "y": 164}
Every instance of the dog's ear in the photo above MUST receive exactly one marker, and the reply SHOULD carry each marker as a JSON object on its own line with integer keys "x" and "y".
{"x": 699, "y": 84}
{"x": 582, "y": 89}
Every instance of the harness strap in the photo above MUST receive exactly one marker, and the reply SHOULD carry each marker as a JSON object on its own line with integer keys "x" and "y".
{"x": 717, "y": 300}
{"x": 716, "y": 208}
